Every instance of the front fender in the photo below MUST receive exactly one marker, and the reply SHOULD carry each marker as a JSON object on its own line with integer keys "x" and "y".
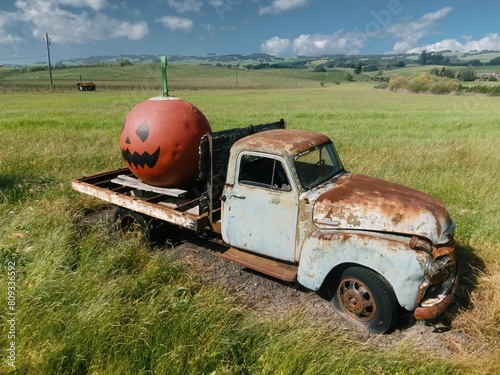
{"x": 388, "y": 255}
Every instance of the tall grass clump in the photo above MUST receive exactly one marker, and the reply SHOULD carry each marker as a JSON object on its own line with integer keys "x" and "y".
{"x": 423, "y": 83}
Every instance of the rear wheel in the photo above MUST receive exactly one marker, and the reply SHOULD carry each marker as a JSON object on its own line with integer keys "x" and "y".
{"x": 367, "y": 298}
{"x": 132, "y": 223}
{"x": 152, "y": 231}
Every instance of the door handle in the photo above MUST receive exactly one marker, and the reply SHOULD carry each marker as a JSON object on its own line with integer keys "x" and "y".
{"x": 238, "y": 196}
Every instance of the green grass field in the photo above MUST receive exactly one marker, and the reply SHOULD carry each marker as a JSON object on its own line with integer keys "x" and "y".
{"x": 180, "y": 77}
{"x": 90, "y": 302}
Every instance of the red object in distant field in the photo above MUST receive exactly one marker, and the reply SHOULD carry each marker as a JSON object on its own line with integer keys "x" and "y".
{"x": 160, "y": 141}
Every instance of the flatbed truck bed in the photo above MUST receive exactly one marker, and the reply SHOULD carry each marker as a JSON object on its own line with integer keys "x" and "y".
{"x": 121, "y": 188}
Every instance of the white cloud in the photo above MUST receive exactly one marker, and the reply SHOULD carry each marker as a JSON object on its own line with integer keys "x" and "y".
{"x": 489, "y": 42}
{"x": 280, "y": 6}
{"x": 65, "y": 26}
{"x": 135, "y": 31}
{"x": 185, "y": 5}
{"x": 93, "y": 4}
{"x": 317, "y": 44}
{"x": 216, "y": 3}
{"x": 13, "y": 40}
{"x": 176, "y": 23}
{"x": 277, "y": 46}
{"x": 411, "y": 32}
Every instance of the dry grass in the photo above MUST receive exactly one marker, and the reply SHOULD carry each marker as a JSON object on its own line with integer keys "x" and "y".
{"x": 482, "y": 319}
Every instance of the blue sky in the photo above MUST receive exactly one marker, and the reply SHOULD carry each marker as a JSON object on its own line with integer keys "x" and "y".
{"x": 285, "y": 28}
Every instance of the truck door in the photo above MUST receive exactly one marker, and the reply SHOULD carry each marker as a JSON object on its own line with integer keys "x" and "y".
{"x": 260, "y": 211}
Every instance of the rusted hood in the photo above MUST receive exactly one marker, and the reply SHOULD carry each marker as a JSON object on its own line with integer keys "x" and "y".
{"x": 365, "y": 203}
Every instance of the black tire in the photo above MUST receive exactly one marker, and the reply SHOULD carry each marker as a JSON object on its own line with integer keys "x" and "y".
{"x": 366, "y": 298}
{"x": 132, "y": 223}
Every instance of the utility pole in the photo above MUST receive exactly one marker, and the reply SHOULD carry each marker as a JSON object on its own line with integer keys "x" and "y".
{"x": 236, "y": 73}
{"x": 47, "y": 39}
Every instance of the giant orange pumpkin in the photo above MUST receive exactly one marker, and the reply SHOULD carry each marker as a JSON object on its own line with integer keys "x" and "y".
{"x": 160, "y": 141}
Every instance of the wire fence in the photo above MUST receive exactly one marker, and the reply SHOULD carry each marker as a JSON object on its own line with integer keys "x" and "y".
{"x": 224, "y": 79}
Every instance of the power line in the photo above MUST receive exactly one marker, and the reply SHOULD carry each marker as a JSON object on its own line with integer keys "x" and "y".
{"x": 21, "y": 58}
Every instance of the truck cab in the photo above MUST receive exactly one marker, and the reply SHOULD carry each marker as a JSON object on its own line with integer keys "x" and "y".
{"x": 268, "y": 175}
{"x": 373, "y": 245}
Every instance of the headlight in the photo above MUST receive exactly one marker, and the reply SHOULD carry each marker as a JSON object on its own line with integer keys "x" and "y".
{"x": 420, "y": 244}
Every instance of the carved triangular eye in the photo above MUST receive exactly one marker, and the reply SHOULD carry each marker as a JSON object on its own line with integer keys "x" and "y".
{"x": 143, "y": 131}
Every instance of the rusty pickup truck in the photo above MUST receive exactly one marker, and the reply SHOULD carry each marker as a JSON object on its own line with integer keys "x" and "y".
{"x": 286, "y": 207}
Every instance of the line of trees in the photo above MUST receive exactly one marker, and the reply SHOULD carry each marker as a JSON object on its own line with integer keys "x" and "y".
{"x": 437, "y": 58}
{"x": 466, "y": 74}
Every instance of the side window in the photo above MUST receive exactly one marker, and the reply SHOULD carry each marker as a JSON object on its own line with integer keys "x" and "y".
{"x": 263, "y": 172}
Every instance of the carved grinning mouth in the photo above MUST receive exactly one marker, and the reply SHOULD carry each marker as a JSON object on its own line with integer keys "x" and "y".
{"x": 143, "y": 159}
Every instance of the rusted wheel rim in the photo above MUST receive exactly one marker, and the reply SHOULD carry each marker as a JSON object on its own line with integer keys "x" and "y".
{"x": 356, "y": 299}
{"x": 129, "y": 225}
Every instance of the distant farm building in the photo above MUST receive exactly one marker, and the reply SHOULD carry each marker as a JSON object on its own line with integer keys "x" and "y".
{"x": 86, "y": 86}
{"x": 487, "y": 75}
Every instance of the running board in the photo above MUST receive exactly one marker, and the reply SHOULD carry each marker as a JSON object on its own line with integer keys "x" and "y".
{"x": 270, "y": 267}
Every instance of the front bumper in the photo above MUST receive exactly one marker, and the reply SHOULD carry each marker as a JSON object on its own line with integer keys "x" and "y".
{"x": 438, "y": 300}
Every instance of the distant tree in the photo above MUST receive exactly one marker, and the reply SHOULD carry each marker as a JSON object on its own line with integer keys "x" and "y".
{"x": 358, "y": 68}
{"x": 423, "y": 58}
{"x": 124, "y": 62}
{"x": 495, "y": 61}
{"x": 36, "y": 68}
{"x": 467, "y": 75}
{"x": 320, "y": 68}
{"x": 492, "y": 78}
{"x": 475, "y": 62}
{"x": 349, "y": 77}
{"x": 447, "y": 73}
{"x": 400, "y": 64}
{"x": 370, "y": 68}
{"x": 432, "y": 58}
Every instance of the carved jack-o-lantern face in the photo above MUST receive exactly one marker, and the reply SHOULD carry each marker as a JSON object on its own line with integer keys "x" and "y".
{"x": 160, "y": 141}
{"x": 145, "y": 158}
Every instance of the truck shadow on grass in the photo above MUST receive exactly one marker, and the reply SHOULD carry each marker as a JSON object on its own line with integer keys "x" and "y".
{"x": 471, "y": 267}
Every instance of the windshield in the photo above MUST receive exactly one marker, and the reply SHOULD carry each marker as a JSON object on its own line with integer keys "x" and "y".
{"x": 317, "y": 165}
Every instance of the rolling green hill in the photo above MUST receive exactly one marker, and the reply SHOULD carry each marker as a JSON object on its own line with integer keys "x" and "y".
{"x": 257, "y": 71}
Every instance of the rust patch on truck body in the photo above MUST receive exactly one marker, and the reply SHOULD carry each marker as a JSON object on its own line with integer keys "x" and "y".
{"x": 366, "y": 203}
{"x": 282, "y": 142}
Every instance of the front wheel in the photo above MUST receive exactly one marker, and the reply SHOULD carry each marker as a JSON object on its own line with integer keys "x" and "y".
{"x": 367, "y": 298}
